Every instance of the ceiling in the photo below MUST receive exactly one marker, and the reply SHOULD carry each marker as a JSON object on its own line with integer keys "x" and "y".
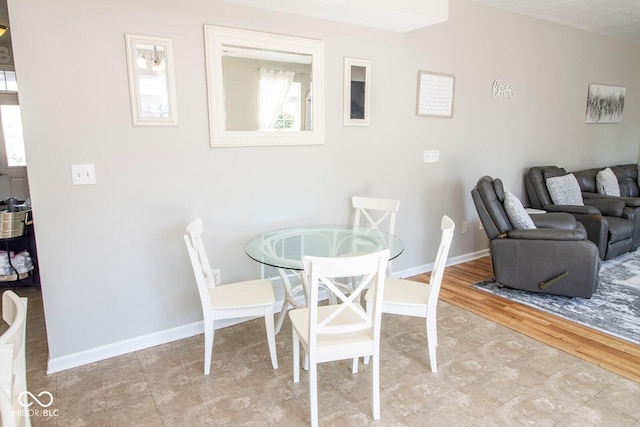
{"x": 615, "y": 18}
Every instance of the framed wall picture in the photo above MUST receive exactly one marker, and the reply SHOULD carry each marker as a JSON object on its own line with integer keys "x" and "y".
{"x": 605, "y": 104}
{"x": 435, "y": 94}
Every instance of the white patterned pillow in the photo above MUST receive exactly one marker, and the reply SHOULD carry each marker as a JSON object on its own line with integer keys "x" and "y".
{"x": 565, "y": 190}
{"x": 607, "y": 183}
{"x": 518, "y": 216}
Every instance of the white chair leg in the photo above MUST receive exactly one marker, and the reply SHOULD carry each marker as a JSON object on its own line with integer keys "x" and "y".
{"x": 369, "y": 308}
{"x": 354, "y": 366}
{"x": 313, "y": 393}
{"x": 375, "y": 386}
{"x": 209, "y": 332}
{"x": 271, "y": 336}
{"x": 281, "y": 316}
{"x": 432, "y": 342}
{"x": 296, "y": 357}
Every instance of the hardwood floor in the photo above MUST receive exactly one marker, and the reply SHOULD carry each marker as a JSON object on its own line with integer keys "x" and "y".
{"x": 616, "y": 355}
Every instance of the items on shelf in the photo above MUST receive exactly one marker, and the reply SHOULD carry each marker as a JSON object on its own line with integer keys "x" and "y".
{"x": 16, "y": 261}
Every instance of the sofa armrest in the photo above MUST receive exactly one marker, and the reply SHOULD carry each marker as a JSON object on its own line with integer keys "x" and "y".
{"x": 573, "y": 209}
{"x": 548, "y": 234}
{"x": 632, "y": 202}
{"x": 558, "y": 220}
{"x": 607, "y": 207}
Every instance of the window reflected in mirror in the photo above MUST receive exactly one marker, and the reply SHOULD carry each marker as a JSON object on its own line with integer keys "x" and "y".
{"x": 264, "y": 89}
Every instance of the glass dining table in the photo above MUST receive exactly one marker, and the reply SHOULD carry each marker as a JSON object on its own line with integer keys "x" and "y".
{"x": 285, "y": 248}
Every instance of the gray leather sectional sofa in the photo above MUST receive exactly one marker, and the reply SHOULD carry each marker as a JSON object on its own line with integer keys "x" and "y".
{"x": 611, "y": 222}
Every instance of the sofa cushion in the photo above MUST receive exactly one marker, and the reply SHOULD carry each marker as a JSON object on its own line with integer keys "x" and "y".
{"x": 564, "y": 190}
{"x": 627, "y": 179}
{"x": 607, "y": 183}
{"x": 587, "y": 179}
{"x": 518, "y": 216}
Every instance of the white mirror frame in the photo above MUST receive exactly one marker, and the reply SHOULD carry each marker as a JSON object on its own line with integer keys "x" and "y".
{"x": 215, "y": 38}
{"x": 138, "y": 117}
{"x": 348, "y": 78}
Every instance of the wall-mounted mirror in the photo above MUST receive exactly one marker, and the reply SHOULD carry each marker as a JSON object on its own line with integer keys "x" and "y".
{"x": 151, "y": 81}
{"x": 357, "y": 85}
{"x": 264, "y": 89}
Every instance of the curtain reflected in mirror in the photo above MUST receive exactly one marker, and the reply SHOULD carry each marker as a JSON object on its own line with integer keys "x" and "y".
{"x": 264, "y": 90}
{"x": 151, "y": 80}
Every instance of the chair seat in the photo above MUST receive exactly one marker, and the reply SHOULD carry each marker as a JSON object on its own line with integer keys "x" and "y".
{"x": 252, "y": 293}
{"x": 332, "y": 347}
{"x": 405, "y": 292}
{"x": 402, "y": 296}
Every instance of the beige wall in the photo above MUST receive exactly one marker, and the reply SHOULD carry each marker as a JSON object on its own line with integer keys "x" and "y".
{"x": 112, "y": 260}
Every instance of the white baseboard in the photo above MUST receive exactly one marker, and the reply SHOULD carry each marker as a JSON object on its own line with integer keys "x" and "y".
{"x": 425, "y": 268}
{"x": 119, "y": 348}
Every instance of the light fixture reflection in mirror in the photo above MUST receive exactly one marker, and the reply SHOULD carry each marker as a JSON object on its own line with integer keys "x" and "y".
{"x": 357, "y": 85}
{"x": 151, "y": 80}
{"x": 264, "y": 89}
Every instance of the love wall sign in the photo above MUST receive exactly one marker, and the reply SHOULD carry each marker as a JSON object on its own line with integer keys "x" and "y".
{"x": 500, "y": 90}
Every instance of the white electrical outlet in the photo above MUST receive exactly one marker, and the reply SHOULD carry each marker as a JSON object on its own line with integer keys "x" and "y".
{"x": 463, "y": 228}
{"x": 83, "y": 174}
{"x": 431, "y": 156}
{"x": 216, "y": 276}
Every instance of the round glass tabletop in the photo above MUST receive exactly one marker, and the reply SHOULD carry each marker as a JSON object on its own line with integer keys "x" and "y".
{"x": 285, "y": 248}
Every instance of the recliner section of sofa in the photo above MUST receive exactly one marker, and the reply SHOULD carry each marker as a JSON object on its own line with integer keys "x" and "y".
{"x": 627, "y": 176}
{"x": 610, "y": 223}
{"x": 554, "y": 258}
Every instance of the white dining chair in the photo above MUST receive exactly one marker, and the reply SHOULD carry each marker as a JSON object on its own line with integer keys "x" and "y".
{"x": 13, "y": 362}
{"x": 375, "y": 214}
{"x": 253, "y": 298}
{"x": 7, "y": 413}
{"x": 417, "y": 299}
{"x": 343, "y": 330}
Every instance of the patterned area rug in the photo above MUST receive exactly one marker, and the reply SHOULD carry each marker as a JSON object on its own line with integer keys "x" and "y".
{"x": 613, "y": 309}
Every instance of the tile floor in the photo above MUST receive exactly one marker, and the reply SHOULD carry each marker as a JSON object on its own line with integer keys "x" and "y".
{"x": 487, "y": 375}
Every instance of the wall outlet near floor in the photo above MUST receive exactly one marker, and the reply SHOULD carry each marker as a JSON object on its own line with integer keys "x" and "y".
{"x": 463, "y": 227}
{"x": 216, "y": 276}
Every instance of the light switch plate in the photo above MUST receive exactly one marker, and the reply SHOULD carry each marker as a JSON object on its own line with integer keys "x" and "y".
{"x": 83, "y": 174}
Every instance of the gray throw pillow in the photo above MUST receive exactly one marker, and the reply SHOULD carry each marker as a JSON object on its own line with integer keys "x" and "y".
{"x": 518, "y": 216}
{"x": 607, "y": 183}
{"x": 565, "y": 190}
